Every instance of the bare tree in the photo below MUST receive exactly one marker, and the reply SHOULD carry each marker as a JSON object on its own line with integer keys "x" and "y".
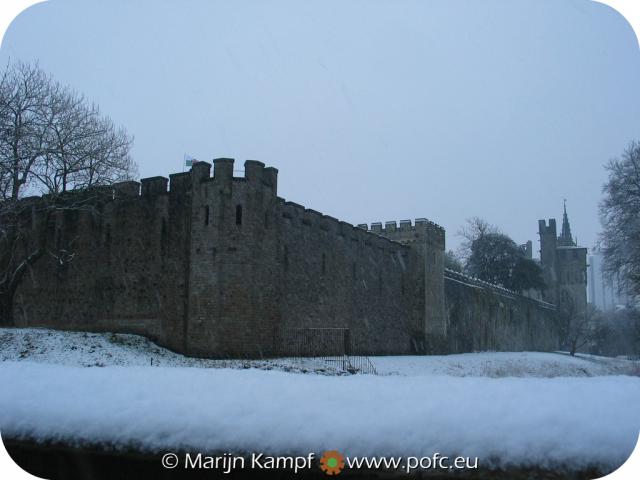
{"x": 494, "y": 257}
{"x": 24, "y": 125}
{"x": 620, "y": 218}
{"x": 106, "y": 157}
{"x": 618, "y": 332}
{"x": 54, "y": 142}
{"x": 475, "y": 229}
{"x": 576, "y": 327}
{"x": 84, "y": 147}
{"x": 66, "y": 136}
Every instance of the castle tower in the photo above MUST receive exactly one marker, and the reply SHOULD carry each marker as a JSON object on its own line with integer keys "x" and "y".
{"x": 548, "y": 245}
{"x": 564, "y": 266}
{"x": 427, "y": 241}
{"x": 232, "y": 307}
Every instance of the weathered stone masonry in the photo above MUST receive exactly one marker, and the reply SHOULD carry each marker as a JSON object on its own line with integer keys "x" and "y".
{"x": 482, "y": 316}
{"x": 216, "y": 265}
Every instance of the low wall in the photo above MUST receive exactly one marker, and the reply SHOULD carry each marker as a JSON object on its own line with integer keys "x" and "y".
{"x": 482, "y": 316}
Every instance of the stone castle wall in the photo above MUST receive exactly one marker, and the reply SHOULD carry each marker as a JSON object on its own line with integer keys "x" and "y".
{"x": 426, "y": 241}
{"x": 482, "y": 316}
{"x": 217, "y": 265}
{"x": 128, "y": 272}
{"x": 260, "y": 264}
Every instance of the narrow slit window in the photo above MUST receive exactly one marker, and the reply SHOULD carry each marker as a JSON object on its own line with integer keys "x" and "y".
{"x": 285, "y": 259}
{"x": 164, "y": 241}
{"x": 206, "y": 215}
{"x": 238, "y": 214}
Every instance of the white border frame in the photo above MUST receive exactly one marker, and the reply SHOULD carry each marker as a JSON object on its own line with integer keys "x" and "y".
{"x": 10, "y": 9}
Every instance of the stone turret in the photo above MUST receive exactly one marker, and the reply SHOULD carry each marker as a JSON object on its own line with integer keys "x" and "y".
{"x": 427, "y": 242}
{"x": 548, "y": 245}
{"x": 564, "y": 266}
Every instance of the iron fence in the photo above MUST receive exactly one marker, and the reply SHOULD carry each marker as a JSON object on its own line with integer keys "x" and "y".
{"x": 326, "y": 346}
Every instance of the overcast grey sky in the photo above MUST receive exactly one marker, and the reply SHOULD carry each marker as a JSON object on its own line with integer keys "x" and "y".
{"x": 371, "y": 110}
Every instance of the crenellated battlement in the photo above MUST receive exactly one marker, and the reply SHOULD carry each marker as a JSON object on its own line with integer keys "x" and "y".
{"x": 544, "y": 228}
{"x": 181, "y": 183}
{"x": 181, "y": 186}
{"x": 166, "y": 204}
{"x": 308, "y": 217}
{"x": 420, "y": 224}
{"x": 255, "y": 173}
{"x": 407, "y": 232}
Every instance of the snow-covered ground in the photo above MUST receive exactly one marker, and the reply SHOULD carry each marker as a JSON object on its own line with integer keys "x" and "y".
{"x": 507, "y": 364}
{"x": 587, "y": 414}
{"x": 85, "y": 349}
{"x": 107, "y": 349}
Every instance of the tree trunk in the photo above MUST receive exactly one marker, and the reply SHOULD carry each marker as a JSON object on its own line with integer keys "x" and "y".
{"x": 8, "y": 293}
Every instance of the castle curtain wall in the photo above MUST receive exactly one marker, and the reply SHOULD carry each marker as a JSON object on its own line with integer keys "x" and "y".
{"x": 482, "y": 317}
{"x": 260, "y": 266}
{"x": 332, "y": 274}
{"x": 217, "y": 265}
{"x": 128, "y": 271}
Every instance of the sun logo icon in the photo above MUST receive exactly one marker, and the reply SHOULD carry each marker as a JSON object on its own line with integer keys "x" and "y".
{"x": 332, "y": 462}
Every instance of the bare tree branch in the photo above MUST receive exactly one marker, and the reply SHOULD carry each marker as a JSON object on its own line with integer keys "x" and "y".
{"x": 52, "y": 142}
{"x": 620, "y": 218}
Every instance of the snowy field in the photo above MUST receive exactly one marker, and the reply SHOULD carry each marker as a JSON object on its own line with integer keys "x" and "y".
{"x": 506, "y": 364}
{"x": 83, "y": 349}
{"x": 509, "y": 409}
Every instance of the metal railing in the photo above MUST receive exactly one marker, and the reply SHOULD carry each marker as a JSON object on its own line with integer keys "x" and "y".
{"x": 324, "y": 346}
